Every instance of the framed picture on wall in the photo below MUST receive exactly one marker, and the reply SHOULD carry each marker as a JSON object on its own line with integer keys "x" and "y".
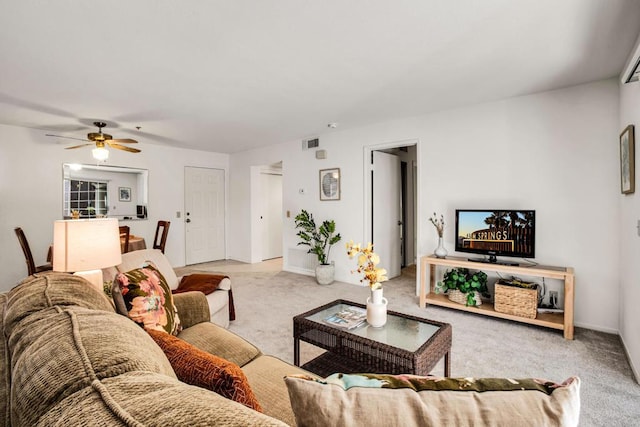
{"x": 330, "y": 184}
{"x": 627, "y": 161}
{"x": 124, "y": 194}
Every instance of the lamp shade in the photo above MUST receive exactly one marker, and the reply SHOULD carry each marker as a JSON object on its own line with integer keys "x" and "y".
{"x": 86, "y": 244}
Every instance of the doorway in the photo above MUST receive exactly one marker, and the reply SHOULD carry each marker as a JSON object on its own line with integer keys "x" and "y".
{"x": 391, "y": 211}
{"x": 204, "y": 214}
{"x": 271, "y": 214}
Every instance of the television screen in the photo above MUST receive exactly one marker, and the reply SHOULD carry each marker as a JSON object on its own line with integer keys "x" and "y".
{"x": 496, "y": 232}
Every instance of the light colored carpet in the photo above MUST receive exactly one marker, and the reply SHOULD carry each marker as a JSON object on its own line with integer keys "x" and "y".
{"x": 267, "y": 299}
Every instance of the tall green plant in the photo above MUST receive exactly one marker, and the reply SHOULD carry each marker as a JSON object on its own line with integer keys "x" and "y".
{"x": 319, "y": 239}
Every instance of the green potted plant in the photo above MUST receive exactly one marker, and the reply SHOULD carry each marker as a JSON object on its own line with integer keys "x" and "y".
{"x": 464, "y": 286}
{"x": 319, "y": 239}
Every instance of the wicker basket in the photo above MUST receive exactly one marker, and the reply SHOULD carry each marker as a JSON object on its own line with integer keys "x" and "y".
{"x": 517, "y": 301}
{"x": 461, "y": 298}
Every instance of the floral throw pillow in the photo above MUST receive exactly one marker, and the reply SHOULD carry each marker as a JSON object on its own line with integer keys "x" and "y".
{"x": 144, "y": 296}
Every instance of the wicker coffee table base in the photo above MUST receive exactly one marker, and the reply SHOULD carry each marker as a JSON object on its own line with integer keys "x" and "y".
{"x": 349, "y": 353}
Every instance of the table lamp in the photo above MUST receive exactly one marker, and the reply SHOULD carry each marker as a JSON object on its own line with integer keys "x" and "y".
{"x": 85, "y": 246}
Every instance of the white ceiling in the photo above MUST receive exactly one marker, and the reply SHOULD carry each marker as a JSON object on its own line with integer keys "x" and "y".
{"x": 228, "y": 76}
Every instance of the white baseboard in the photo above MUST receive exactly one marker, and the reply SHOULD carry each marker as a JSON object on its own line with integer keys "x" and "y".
{"x": 634, "y": 369}
{"x": 597, "y": 328}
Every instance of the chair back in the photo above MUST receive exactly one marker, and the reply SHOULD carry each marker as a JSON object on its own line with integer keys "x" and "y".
{"x": 124, "y": 238}
{"x": 31, "y": 265}
{"x": 160, "y": 239}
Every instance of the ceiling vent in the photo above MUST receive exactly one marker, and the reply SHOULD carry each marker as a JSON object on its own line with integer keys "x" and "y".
{"x": 310, "y": 143}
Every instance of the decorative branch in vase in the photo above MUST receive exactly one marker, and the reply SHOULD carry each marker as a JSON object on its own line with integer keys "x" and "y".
{"x": 438, "y": 223}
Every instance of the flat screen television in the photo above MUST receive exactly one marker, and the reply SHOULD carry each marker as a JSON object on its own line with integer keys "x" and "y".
{"x": 493, "y": 233}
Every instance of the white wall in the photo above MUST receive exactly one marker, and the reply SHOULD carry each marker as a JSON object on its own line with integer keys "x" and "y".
{"x": 628, "y": 235}
{"x": 554, "y": 152}
{"x": 31, "y": 192}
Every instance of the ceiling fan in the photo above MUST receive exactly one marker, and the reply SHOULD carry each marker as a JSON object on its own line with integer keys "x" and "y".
{"x": 100, "y": 140}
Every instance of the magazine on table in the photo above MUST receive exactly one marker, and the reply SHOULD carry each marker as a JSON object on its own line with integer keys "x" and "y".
{"x": 348, "y": 318}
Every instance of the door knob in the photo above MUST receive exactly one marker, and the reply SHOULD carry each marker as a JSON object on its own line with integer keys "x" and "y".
{"x": 187, "y": 220}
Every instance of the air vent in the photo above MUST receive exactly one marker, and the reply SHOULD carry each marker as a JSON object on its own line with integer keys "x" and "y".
{"x": 300, "y": 261}
{"x": 310, "y": 143}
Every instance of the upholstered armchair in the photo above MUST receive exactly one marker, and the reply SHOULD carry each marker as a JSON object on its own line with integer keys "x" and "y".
{"x": 220, "y": 300}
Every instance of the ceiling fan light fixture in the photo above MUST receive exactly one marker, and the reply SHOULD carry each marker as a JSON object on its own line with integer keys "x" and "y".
{"x": 101, "y": 154}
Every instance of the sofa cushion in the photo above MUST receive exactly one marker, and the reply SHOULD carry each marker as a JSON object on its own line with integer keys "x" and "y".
{"x": 147, "y": 299}
{"x": 364, "y": 399}
{"x": 265, "y": 375}
{"x": 216, "y": 340}
{"x": 192, "y": 308}
{"x": 152, "y": 400}
{"x": 44, "y": 290}
{"x": 202, "y": 369}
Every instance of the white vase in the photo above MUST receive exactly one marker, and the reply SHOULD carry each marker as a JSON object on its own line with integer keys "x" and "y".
{"x": 325, "y": 274}
{"x": 377, "y": 309}
{"x": 440, "y": 251}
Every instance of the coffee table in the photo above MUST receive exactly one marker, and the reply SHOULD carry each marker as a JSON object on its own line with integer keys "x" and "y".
{"x": 405, "y": 345}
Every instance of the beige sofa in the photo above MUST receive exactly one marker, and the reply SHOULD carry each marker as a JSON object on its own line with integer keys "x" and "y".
{"x": 218, "y": 301}
{"x": 68, "y": 358}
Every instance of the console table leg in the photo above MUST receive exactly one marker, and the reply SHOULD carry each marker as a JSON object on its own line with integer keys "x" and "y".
{"x": 447, "y": 364}
{"x": 296, "y": 351}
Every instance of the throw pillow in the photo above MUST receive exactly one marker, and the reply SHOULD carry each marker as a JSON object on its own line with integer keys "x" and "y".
{"x": 196, "y": 367}
{"x": 409, "y": 400}
{"x": 144, "y": 296}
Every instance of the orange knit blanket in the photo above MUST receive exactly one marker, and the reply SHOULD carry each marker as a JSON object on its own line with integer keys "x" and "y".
{"x": 205, "y": 283}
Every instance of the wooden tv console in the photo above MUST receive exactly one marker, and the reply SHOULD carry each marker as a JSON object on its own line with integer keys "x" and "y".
{"x": 562, "y": 321}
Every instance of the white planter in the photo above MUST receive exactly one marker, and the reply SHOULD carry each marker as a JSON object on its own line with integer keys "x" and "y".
{"x": 325, "y": 274}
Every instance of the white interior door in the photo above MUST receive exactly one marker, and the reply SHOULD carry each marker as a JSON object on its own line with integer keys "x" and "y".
{"x": 204, "y": 215}
{"x": 386, "y": 211}
{"x": 271, "y": 217}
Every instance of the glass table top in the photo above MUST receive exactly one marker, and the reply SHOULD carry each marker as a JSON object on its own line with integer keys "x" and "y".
{"x": 399, "y": 332}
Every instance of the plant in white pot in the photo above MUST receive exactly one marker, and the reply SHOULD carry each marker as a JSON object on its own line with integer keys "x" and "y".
{"x": 319, "y": 239}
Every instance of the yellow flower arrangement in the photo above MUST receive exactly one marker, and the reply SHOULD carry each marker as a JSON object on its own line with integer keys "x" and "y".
{"x": 367, "y": 262}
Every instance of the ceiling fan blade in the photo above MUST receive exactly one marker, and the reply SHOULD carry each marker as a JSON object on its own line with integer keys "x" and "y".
{"x": 66, "y": 137}
{"x": 125, "y": 141}
{"x": 122, "y": 147}
{"x": 78, "y": 146}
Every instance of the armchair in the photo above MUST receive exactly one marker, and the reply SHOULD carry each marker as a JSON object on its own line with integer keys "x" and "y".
{"x": 220, "y": 301}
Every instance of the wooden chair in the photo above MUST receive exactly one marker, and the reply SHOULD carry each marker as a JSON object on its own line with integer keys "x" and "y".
{"x": 32, "y": 268}
{"x": 162, "y": 230}
{"x": 124, "y": 238}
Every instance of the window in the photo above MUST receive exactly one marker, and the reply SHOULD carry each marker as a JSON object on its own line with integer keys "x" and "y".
{"x": 87, "y": 197}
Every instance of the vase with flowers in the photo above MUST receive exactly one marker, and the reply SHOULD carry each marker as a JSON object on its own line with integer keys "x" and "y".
{"x": 373, "y": 276}
{"x": 438, "y": 223}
